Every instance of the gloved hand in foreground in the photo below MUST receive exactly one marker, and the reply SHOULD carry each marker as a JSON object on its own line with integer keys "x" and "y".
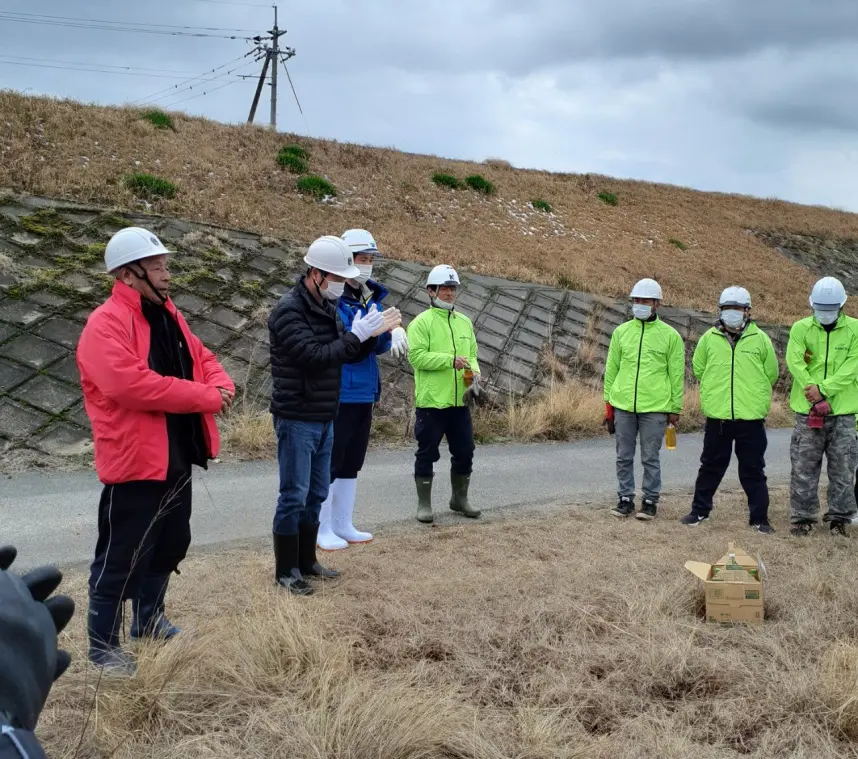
{"x": 399, "y": 348}
{"x": 29, "y": 624}
{"x": 475, "y": 394}
{"x": 608, "y": 421}
{"x": 368, "y": 325}
{"x": 392, "y": 319}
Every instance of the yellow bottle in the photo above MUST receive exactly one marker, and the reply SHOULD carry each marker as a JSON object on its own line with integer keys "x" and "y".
{"x": 670, "y": 437}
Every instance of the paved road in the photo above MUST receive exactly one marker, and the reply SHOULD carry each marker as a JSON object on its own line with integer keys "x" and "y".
{"x": 51, "y": 518}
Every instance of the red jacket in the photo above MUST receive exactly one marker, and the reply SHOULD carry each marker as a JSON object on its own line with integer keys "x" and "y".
{"x": 126, "y": 401}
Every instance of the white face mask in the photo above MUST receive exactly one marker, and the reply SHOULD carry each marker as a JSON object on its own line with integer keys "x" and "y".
{"x": 365, "y": 273}
{"x": 641, "y": 311}
{"x": 826, "y": 317}
{"x": 333, "y": 291}
{"x": 732, "y": 319}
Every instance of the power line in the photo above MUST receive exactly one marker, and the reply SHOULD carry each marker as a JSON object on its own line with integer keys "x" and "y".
{"x": 94, "y": 63}
{"x": 71, "y": 25}
{"x": 124, "y": 23}
{"x": 199, "y": 95}
{"x": 71, "y": 67}
{"x": 175, "y": 89}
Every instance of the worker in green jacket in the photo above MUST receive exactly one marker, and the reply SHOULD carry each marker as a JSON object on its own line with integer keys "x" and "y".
{"x": 443, "y": 353}
{"x": 644, "y": 384}
{"x": 822, "y": 356}
{"x": 736, "y": 365}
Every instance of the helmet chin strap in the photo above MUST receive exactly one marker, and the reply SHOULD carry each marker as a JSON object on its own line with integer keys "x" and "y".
{"x": 145, "y": 278}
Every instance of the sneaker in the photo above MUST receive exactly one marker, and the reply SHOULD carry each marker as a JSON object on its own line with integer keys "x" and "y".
{"x": 764, "y": 527}
{"x": 647, "y": 511}
{"x": 625, "y": 508}
{"x": 801, "y": 529}
{"x": 838, "y": 529}
{"x": 693, "y": 519}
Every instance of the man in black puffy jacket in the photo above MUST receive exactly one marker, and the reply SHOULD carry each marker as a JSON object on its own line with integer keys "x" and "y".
{"x": 308, "y": 349}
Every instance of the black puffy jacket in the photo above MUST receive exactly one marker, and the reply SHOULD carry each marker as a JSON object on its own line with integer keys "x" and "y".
{"x": 308, "y": 349}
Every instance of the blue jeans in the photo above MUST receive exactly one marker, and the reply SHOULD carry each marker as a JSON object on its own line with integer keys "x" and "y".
{"x": 304, "y": 459}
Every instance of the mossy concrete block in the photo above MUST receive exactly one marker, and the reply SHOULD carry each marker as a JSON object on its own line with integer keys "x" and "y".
{"x": 227, "y": 318}
{"x": 32, "y": 351}
{"x": 47, "y": 394}
{"x": 21, "y": 312}
{"x": 60, "y": 330}
{"x": 17, "y": 422}
{"x": 67, "y": 371}
{"x": 12, "y": 375}
{"x": 62, "y": 439}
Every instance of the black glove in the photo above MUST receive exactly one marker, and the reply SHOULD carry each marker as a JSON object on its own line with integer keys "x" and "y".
{"x": 29, "y": 624}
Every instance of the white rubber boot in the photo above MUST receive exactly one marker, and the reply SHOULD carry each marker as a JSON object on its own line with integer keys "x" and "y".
{"x": 326, "y": 539}
{"x": 343, "y": 509}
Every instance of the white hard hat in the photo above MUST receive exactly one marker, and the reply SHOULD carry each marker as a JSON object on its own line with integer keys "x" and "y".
{"x": 441, "y": 275}
{"x": 332, "y": 256}
{"x": 132, "y": 244}
{"x": 735, "y": 296}
{"x": 360, "y": 241}
{"x": 646, "y": 288}
{"x": 827, "y": 294}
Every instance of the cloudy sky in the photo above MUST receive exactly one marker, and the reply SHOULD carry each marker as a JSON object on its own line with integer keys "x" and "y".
{"x": 751, "y": 96}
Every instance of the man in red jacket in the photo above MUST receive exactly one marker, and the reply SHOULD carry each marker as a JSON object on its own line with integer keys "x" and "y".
{"x": 151, "y": 391}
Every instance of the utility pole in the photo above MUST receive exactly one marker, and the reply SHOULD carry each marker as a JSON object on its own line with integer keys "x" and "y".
{"x": 275, "y": 57}
{"x": 270, "y": 54}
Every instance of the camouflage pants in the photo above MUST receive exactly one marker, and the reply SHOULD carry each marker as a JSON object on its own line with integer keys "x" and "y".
{"x": 838, "y": 443}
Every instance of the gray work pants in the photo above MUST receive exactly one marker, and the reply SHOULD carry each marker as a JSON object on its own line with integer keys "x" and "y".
{"x": 836, "y": 441}
{"x": 650, "y": 427}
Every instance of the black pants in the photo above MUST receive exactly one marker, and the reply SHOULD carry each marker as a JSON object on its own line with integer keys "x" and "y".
{"x": 351, "y": 439}
{"x": 751, "y": 442}
{"x": 431, "y": 425}
{"x": 144, "y": 529}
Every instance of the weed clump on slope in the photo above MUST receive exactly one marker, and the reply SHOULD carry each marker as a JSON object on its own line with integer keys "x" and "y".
{"x": 149, "y": 186}
{"x": 295, "y": 158}
{"x": 480, "y": 184}
{"x": 317, "y": 187}
{"x": 446, "y": 180}
{"x": 608, "y": 198}
{"x": 159, "y": 119}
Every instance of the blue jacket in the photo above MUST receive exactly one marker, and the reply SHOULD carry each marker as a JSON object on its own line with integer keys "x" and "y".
{"x": 362, "y": 381}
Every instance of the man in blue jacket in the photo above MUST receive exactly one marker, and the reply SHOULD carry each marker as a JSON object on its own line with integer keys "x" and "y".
{"x": 359, "y": 392}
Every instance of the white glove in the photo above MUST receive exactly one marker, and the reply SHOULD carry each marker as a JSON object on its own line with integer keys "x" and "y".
{"x": 364, "y": 327}
{"x": 392, "y": 319}
{"x": 399, "y": 348}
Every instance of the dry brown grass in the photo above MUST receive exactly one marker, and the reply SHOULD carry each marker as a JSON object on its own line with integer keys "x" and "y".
{"x": 570, "y": 635}
{"x": 229, "y": 175}
{"x": 567, "y": 409}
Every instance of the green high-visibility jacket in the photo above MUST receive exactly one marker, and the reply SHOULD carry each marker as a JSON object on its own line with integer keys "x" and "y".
{"x": 827, "y": 359}
{"x": 645, "y": 370}
{"x": 435, "y": 338}
{"x": 736, "y": 381}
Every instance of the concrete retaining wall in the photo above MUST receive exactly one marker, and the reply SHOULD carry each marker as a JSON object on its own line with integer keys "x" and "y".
{"x": 226, "y": 281}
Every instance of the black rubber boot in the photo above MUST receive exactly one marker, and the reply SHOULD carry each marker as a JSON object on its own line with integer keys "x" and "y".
{"x": 307, "y": 562}
{"x": 150, "y": 620}
{"x": 424, "y": 499}
{"x": 459, "y": 499}
{"x": 286, "y": 572}
{"x": 103, "y": 622}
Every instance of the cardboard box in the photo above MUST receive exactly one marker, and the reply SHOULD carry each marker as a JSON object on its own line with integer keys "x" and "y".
{"x": 733, "y": 587}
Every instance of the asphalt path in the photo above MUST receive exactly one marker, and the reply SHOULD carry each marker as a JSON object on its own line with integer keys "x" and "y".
{"x": 52, "y": 517}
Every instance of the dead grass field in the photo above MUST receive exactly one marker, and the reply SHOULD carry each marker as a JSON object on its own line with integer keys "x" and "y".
{"x": 229, "y": 175}
{"x": 567, "y": 409}
{"x": 560, "y": 636}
